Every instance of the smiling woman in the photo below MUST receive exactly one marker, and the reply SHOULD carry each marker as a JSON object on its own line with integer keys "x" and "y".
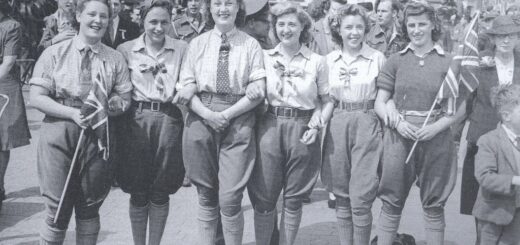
{"x": 62, "y": 80}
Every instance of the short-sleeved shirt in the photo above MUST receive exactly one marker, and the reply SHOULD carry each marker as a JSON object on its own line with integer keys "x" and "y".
{"x": 353, "y": 79}
{"x": 378, "y": 39}
{"x": 165, "y": 64}
{"x": 295, "y": 81}
{"x": 59, "y": 67}
{"x": 414, "y": 81}
{"x": 246, "y": 63}
{"x": 9, "y": 45}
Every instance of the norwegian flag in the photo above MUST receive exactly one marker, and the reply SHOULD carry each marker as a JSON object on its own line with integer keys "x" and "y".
{"x": 95, "y": 110}
{"x": 461, "y": 71}
{"x": 4, "y": 100}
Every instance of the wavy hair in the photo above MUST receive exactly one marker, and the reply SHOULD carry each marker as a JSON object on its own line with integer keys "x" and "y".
{"x": 284, "y": 8}
{"x": 239, "y": 20}
{"x": 416, "y": 8}
{"x": 164, "y": 4}
{"x": 347, "y": 10}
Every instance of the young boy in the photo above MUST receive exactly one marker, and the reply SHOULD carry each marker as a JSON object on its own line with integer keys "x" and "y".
{"x": 497, "y": 169}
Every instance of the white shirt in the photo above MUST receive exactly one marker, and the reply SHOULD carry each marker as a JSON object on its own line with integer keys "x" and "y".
{"x": 115, "y": 24}
{"x": 505, "y": 71}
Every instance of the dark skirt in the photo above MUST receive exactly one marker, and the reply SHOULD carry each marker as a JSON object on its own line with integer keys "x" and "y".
{"x": 469, "y": 185}
{"x": 150, "y": 151}
{"x": 14, "y": 131}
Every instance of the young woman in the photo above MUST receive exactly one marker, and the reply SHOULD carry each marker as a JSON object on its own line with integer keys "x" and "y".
{"x": 152, "y": 167}
{"x": 62, "y": 79}
{"x": 499, "y": 66}
{"x": 223, "y": 66}
{"x": 287, "y": 134}
{"x": 14, "y": 131}
{"x": 353, "y": 142}
{"x": 412, "y": 78}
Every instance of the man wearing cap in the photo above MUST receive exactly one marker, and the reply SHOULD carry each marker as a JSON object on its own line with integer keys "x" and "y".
{"x": 190, "y": 24}
{"x": 257, "y": 22}
{"x": 386, "y": 35}
{"x": 322, "y": 37}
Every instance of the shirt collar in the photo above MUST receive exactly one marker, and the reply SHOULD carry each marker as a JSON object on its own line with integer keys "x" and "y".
{"x": 80, "y": 45}
{"x": 365, "y": 52}
{"x": 169, "y": 43}
{"x": 304, "y": 51}
{"x": 435, "y": 47}
{"x": 510, "y": 134}
{"x": 229, "y": 34}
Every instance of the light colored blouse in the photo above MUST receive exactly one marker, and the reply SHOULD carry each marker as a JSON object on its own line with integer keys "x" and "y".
{"x": 295, "y": 81}
{"x": 246, "y": 63}
{"x": 353, "y": 79}
{"x": 154, "y": 77}
{"x": 505, "y": 71}
{"x": 58, "y": 69}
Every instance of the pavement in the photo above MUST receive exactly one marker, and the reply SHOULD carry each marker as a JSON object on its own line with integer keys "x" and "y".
{"x": 22, "y": 214}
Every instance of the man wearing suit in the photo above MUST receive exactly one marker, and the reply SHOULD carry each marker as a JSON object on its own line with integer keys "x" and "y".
{"x": 497, "y": 169}
{"x": 119, "y": 29}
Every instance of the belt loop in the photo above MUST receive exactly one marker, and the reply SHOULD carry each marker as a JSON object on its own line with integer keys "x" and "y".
{"x": 140, "y": 107}
{"x": 365, "y": 106}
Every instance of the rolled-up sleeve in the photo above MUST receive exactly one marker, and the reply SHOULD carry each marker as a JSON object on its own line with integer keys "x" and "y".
{"x": 257, "y": 70}
{"x": 42, "y": 73}
{"x": 122, "y": 77}
{"x": 187, "y": 75}
{"x": 386, "y": 78}
{"x": 322, "y": 76}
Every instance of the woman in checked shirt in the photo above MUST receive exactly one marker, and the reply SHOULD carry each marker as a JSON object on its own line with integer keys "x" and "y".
{"x": 224, "y": 68}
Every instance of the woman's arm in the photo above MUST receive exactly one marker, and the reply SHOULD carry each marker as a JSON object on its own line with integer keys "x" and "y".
{"x": 245, "y": 104}
{"x": 216, "y": 120}
{"x": 429, "y": 131}
{"x": 327, "y": 109}
{"x": 39, "y": 99}
{"x": 119, "y": 103}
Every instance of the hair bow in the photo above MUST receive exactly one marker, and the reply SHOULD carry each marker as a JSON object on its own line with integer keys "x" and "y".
{"x": 346, "y": 74}
{"x": 285, "y": 77}
{"x": 159, "y": 67}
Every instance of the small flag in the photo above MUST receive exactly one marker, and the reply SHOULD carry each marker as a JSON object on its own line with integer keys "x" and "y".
{"x": 4, "y": 100}
{"x": 95, "y": 110}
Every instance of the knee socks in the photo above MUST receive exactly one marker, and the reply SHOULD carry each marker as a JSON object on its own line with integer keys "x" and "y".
{"x": 87, "y": 231}
{"x": 387, "y": 228}
{"x": 207, "y": 222}
{"x": 264, "y": 225}
{"x": 289, "y": 225}
{"x": 344, "y": 225}
{"x": 139, "y": 222}
{"x": 157, "y": 214}
{"x": 362, "y": 228}
{"x": 434, "y": 226}
{"x": 233, "y": 228}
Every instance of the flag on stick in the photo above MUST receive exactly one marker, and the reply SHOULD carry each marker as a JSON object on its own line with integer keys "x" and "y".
{"x": 4, "y": 100}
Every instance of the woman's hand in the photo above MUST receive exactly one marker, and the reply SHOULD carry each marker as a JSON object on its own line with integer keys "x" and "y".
{"x": 309, "y": 136}
{"x": 116, "y": 104}
{"x": 407, "y": 130}
{"x": 316, "y": 121}
{"x": 392, "y": 116}
{"x": 217, "y": 121}
{"x": 79, "y": 119}
{"x": 254, "y": 91}
{"x": 427, "y": 132}
{"x": 184, "y": 95}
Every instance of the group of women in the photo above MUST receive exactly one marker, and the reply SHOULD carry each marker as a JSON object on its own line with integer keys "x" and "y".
{"x": 226, "y": 146}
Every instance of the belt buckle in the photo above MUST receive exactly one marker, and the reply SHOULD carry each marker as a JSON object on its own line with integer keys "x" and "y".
{"x": 287, "y": 112}
{"x": 155, "y": 106}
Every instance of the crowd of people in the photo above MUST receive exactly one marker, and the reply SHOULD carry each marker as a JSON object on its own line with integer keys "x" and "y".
{"x": 230, "y": 95}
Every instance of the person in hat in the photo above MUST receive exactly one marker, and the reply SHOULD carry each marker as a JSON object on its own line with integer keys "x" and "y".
{"x": 288, "y": 147}
{"x": 190, "y": 24}
{"x": 223, "y": 79}
{"x": 484, "y": 41}
{"x": 412, "y": 78}
{"x": 61, "y": 82}
{"x": 257, "y": 23}
{"x": 14, "y": 131}
{"x": 498, "y": 66}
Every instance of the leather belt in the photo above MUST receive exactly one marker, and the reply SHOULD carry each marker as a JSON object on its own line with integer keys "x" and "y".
{"x": 356, "y": 106}
{"x": 230, "y": 98}
{"x": 155, "y": 106}
{"x": 289, "y": 112}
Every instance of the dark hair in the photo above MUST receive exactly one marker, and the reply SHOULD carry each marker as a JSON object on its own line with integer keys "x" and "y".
{"x": 416, "y": 9}
{"x": 164, "y": 4}
{"x": 80, "y": 5}
{"x": 316, "y": 9}
{"x": 396, "y": 5}
{"x": 348, "y": 10}
{"x": 239, "y": 20}
{"x": 5, "y": 8}
{"x": 284, "y": 8}
{"x": 505, "y": 97}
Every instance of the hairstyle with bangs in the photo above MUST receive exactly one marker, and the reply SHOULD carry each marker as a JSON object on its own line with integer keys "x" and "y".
{"x": 337, "y": 19}
{"x": 505, "y": 97}
{"x": 416, "y": 8}
{"x": 80, "y": 5}
{"x": 284, "y": 8}
{"x": 239, "y": 20}
{"x": 164, "y": 4}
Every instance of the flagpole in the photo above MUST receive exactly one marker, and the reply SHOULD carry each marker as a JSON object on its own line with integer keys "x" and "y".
{"x": 424, "y": 124}
{"x": 72, "y": 165}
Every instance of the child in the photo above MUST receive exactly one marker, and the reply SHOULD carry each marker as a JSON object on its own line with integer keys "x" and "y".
{"x": 497, "y": 169}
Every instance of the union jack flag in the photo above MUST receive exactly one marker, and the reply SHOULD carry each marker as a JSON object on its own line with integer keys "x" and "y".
{"x": 461, "y": 71}
{"x": 95, "y": 110}
{"x": 4, "y": 100}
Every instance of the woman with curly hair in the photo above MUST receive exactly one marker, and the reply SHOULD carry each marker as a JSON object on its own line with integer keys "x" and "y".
{"x": 288, "y": 145}
{"x": 353, "y": 142}
{"x": 412, "y": 79}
